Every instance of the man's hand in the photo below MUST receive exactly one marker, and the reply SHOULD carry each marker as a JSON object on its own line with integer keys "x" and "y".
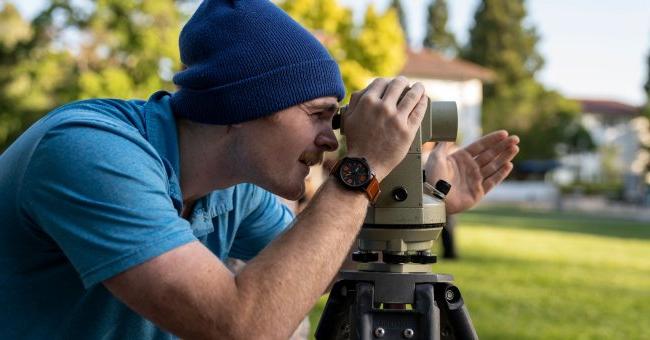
{"x": 473, "y": 170}
{"x": 381, "y": 129}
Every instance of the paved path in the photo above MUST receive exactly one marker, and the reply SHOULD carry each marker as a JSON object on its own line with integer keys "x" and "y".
{"x": 600, "y": 206}
{"x": 594, "y": 206}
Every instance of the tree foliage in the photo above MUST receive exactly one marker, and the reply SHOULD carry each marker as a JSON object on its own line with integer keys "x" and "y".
{"x": 33, "y": 77}
{"x": 75, "y": 49}
{"x": 500, "y": 41}
{"x": 129, "y": 48}
{"x": 380, "y": 45}
{"x": 438, "y": 37}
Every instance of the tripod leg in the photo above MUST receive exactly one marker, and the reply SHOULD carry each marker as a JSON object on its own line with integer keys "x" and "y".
{"x": 362, "y": 325}
{"x": 455, "y": 320}
{"x": 334, "y": 322}
{"x": 426, "y": 306}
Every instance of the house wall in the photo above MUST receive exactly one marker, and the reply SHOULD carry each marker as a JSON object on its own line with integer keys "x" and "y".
{"x": 468, "y": 95}
{"x": 617, "y": 145}
{"x": 615, "y": 134}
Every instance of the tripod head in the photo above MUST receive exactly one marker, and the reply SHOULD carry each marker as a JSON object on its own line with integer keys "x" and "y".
{"x": 409, "y": 213}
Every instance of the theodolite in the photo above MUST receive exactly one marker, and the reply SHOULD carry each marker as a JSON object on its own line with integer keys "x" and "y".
{"x": 393, "y": 294}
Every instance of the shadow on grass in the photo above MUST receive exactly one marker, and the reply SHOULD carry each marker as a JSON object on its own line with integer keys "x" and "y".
{"x": 502, "y": 217}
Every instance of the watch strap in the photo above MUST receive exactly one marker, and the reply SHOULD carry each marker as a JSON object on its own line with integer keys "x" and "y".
{"x": 372, "y": 189}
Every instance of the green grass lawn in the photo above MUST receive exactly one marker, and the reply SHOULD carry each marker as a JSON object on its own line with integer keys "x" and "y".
{"x": 531, "y": 275}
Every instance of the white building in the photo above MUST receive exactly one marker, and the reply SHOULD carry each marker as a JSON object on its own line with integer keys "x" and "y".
{"x": 451, "y": 80}
{"x": 617, "y": 146}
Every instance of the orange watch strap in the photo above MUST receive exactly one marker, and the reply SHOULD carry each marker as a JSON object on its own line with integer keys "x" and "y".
{"x": 373, "y": 190}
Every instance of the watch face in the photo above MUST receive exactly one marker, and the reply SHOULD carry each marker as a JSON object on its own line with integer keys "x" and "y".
{"x": 354, "y": 173}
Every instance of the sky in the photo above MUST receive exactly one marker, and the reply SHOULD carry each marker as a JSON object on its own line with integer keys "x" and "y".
{"x": 594, "y": 49}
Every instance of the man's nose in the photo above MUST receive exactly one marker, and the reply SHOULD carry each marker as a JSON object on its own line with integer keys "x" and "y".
{"x": 327, "y": 141}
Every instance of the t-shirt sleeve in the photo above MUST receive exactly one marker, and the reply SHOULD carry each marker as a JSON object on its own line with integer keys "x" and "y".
{"x": 266, "y": 219}
{"x": 100, "y": 191}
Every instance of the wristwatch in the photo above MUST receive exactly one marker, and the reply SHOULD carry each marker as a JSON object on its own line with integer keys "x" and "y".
{"x": 355, "y": 174}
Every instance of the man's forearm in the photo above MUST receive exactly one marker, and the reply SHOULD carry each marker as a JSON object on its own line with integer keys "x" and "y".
{"x": 302, "y": 261}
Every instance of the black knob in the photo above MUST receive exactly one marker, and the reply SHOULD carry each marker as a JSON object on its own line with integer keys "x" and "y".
{"x": 424, "y": 258}
{"x": 400, "y": 194}
{"x": 365, "y": 256}
{"x": 443, "y": 186}
{"x": 396, "y": 258}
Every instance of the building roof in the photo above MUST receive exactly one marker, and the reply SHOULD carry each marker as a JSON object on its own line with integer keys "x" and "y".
{"x": 609, "y": 108}
{"x": 427, "y": 63}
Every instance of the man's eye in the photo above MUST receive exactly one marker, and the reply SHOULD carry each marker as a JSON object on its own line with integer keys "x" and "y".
{"x": 324, "y": 116}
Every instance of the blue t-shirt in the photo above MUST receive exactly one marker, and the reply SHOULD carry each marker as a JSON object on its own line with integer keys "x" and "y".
{"x": 91, "y": 190}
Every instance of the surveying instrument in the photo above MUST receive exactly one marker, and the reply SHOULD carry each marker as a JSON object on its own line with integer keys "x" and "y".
{"x": 393, "y": 294}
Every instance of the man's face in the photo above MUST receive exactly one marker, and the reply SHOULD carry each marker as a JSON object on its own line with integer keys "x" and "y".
{"x": 279, "y": 149}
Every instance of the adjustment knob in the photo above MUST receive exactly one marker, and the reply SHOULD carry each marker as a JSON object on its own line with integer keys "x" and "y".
{"x": 443, "y": 186}
{"x": 400, "y": 194}
{"x": 424, "y": 258}
{"x": 396, "y": 258}
{"x": 365, "y": 256}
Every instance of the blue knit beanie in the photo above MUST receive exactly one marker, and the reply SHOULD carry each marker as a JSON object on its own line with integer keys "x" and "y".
{"x": 247, "y": 59}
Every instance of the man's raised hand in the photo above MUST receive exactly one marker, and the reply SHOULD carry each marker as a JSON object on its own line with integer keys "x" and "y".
{"x": 473, "y": 170}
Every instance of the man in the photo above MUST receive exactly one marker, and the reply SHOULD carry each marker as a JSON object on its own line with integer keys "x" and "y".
{"x": 117, "y": 213}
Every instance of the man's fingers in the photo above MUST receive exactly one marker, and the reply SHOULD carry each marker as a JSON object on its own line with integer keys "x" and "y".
{"x": 486, "y": 141}
{"x": 354, "y": 99}
{"x": 412, "y": 100}
{"x": 376, "y": 89}
{"x": 444, "y": 147}
{"x": 394, "y": 90}
{"x": 497, "y": 177}
{"x": 415, "y": 118}
{"x": 494, "y": 151}
{"x": 497, "y": 163}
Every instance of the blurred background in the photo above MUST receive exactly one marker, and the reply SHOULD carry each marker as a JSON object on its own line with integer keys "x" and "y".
{"x": 560, "y": 250}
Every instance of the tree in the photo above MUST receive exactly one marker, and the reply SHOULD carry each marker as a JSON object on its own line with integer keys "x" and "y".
{"x": 515, "y": 100}
{"x": 438, "y": 37}
{"x": 380, "y": 45}
{"x": 499, "y": 41}
{"x": 131, "y": 48}
{"x": 123, "y": 49}
{"x": 33, "y": 77}
{"x": 556, "y": 131}
{"x": 397, "y": 6}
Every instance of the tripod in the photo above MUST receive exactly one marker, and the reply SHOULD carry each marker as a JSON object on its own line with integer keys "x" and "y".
{"x": 373, "y": 305}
